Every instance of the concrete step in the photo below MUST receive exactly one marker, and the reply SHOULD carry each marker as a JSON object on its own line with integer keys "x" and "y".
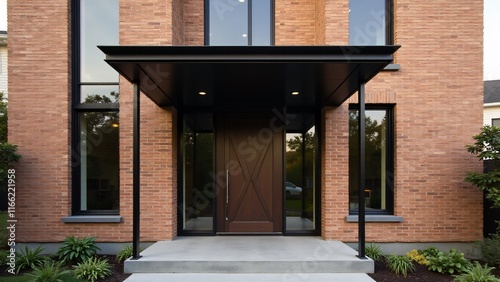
{"x": 250, "y": 277}
{"x": 249, "y": 254}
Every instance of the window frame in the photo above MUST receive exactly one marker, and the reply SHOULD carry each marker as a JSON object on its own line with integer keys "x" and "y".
{"x": 249, "y": 24}
{"x": 390, "y": 158}
{"x": 76, "y": 109}
{"x": 493, "y": 121}
{"x": 389, "y": 23}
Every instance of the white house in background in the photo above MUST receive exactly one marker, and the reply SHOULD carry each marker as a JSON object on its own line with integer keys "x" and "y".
{"x": 491, "y": 114}
{"x": 3, "y": 62}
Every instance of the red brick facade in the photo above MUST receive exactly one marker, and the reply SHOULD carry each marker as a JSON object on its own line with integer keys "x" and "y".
{"x": 437, "y": 95}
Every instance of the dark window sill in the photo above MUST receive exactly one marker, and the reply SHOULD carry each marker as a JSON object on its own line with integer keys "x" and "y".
{"x": 92, "y": 219}
{"x": 375, "y": 218}
{"x": 392, "y": 67}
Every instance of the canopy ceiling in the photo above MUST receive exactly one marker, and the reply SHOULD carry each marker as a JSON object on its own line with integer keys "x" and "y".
{"x": 248, "y": 77}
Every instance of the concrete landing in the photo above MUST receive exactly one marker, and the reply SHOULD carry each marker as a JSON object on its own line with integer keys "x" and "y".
{"x": 249, "y": 254}
{"x": 265, "y": 277}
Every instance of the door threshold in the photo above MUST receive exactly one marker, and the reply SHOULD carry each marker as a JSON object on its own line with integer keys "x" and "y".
{"x": 249, "y": 233}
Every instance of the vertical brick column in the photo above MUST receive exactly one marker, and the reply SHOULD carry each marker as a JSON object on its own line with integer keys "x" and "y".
{"x": 39, "y": 115}
{"x": 150, "y": 22}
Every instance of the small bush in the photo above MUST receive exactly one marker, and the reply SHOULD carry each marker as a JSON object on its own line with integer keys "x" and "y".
{"x": 374, "y": 252}
{"x": 477, "y": 273}
{"x": 400, "y": 265}
{"x": 3, "y": 256}
{"x": 48, "y": 272}
{"x": 490, "y": 249}
{"x": 77, "y": 250}
{"x": 29, "y": 258}
{"x": 430, "y": 252}
{"x": 92, "y": 269}
{"x": 418, "y": 257}
{"x": 125, "y": 253}
{"x": 449, "y": 263}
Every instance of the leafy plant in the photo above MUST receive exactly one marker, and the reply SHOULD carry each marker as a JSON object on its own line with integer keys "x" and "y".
{"x": 487, "y": 147}
{"x": 477, "y": 273}
{"x": 430, "y": 252}
{"x": 92, "y": 269}
{"x": 490, "y": 249}
{"x": 125, "y": 253}
{"x": 3, "y": 256}
{"x": 29, "y": 258}
{"x": 49, "y": 271}
{"x": 400, "y": 265}
{"x": 374, "y": 252}
{"x": 449, "y": 263}
{"x": 418, "y": 257}
{"x": 77, "y": 250}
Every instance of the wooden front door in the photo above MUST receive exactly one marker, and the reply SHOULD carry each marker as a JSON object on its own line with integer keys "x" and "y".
{"x": 249, "y": 156}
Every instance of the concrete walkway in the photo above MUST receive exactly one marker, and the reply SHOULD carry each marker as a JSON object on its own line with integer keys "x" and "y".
{"x": 263, "y": 277}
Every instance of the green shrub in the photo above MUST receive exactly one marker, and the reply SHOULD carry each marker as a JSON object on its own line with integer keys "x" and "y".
{"x": 29, "y": 258}
{"x": 490, "y": 249}
{"x": 477, "y": 273}
{"x": 92, "y": 269}
{"x": 3, "y": 256}
{"x": 48, "y": 272}
{"x": 418, "y": 257}
{"x": 449, "y": 263}
{"x": 430, "y": 252}
{"x": 400, "y": 265}
{"x": 374, "y": 252}
{"x": 77, "y": 250}
{"x": 125, "y": 253}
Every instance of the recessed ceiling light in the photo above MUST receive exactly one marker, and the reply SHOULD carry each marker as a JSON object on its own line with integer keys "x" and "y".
{"x": 295, "y": 93}
{"x": 242, "y": 1}
{"x": 244, "y": 35}
{"x": 202, "y": 93}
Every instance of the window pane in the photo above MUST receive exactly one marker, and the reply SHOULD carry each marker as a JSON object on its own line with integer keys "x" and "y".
{"x": 300, "y": 185}
{"x": 99, "y": 167}
{"x": 261, "y": 23}
{"x": 495, "y": 122}
{"x": 98, "y": 26}
{"x": 199, "y": 189}
{"x": 228, "y": 22}
{"x": 367, "y": 22}
{"x": 96, "y": 94}
{"x": 376, "y": 185}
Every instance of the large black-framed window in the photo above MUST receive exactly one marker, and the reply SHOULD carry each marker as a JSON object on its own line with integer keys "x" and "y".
{"x": 95, "y": 109}
{"x": 371, "y": 22}
{"x": 379, "y": 154}
{"x": 239, "y": 22}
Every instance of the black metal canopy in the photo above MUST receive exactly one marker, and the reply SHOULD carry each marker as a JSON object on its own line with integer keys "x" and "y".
{"x": 248, "y": 77}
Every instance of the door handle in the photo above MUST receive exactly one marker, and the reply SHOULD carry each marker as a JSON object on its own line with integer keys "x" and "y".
{"x": 227, "y": 193}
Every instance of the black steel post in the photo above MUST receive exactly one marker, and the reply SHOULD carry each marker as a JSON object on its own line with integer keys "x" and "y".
{"x": 136, "y": 173}
{"x": 362, "y": 168}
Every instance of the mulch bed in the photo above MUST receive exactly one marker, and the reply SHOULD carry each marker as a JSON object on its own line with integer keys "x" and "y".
{"x": 421, "y": 274}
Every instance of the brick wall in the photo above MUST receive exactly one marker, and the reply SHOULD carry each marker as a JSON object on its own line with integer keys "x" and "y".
{"x": 39, "y": 119}
{"x": 43, "y": 132}
{"x": 438, "y": 95}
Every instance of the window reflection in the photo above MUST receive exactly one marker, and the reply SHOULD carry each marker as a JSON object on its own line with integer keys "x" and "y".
{"x": 240, "y": 22}
{"x": 198, "y": 167}
{"x": 378, "y": 185}
{"x": 300, "y": 178}
{"x": 368, "y": 22}
{"x": 98, "y": 26}
{"x": 99, "y": 165}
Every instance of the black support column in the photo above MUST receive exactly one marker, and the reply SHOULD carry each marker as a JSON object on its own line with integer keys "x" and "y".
{"x": 362, "y": 176}
{"x": 136, "y": 168}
